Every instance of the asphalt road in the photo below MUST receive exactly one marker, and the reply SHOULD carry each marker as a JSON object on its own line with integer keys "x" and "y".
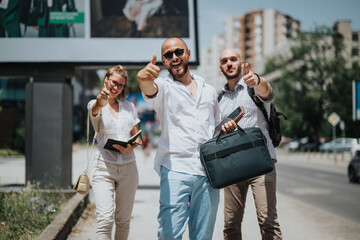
{"x": 322, "y": 186}
{"x": 315, "y": 200}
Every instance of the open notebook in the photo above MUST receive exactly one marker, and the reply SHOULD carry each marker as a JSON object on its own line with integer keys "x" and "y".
{"x": 110, "y": 142}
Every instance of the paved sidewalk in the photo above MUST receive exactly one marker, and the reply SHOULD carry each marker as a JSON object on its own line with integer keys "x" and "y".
{"x": 298, "y": 220}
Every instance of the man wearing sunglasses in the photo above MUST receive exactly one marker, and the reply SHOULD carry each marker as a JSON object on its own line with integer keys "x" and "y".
{"x": 188, "y": 112}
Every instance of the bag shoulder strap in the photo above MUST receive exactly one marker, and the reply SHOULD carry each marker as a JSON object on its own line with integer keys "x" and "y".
{"x": 94, "y": 138}
{"x": 220, "y": 96}
{"x": 258, "y": 103}
{"x": 256, "y": 100}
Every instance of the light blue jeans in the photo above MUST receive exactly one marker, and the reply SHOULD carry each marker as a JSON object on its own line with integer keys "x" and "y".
{"x": 186, "y": 199}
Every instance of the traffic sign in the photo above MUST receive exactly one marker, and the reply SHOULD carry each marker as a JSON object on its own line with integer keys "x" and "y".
{"x": 334, "y": 119}
{"x": 356, "y": 100}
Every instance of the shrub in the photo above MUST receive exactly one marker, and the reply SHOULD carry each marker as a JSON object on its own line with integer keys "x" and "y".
{"x": 26, "y": 213}
{"x": 18, "y": 142}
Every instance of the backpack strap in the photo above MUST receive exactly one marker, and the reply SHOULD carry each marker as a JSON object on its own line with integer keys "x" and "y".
{"x": 220, "y": 96}
{"x": 258, "y": 103}
{"x": 261, "y": 106}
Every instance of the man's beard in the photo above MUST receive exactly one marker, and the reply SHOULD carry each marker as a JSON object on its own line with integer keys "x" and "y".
{"x": 228, "y": 76}
{"x": 180, "y": 74}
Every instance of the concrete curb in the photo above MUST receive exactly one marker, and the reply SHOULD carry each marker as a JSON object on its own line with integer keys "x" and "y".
{"x": 61, "y": 226}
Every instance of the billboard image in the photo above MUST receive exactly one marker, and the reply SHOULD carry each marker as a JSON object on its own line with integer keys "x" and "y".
{"x": 134, "y": 18}
{"x": 91, "y": 32}
{"x": 41, "y": 18}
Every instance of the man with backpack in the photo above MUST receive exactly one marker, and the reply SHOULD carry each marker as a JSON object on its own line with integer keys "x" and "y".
{"x": 234, "y": 94}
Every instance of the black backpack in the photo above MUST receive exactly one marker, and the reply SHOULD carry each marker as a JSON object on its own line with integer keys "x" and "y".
{"x": 273, "y": 122}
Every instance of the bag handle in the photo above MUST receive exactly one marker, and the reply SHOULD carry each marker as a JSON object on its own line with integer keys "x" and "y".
{"x": 239, "y": 130}
{"x": 87, "y": 139}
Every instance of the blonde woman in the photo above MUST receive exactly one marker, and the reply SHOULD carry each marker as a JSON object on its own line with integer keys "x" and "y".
{"x": 115, "y": 176}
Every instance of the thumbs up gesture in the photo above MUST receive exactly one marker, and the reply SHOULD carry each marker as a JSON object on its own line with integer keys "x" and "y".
{"x": 150, "y": 72}
{"x": 146, "y": 77}
{"x": 250, "y": 79}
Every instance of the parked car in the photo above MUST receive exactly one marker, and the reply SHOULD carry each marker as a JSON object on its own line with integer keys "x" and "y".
{"x": 295, "y": 144}
{"x": 339, "y": 145}
{"x": 354, "y": 168}
{"x": 310, "y": 147}
{"x": 354, "y": 148}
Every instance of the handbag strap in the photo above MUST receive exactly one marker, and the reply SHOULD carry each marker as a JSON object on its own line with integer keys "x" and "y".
{"x": 87, "y": 139}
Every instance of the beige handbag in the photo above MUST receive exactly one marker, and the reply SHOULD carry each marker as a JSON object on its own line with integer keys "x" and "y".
{"x": 82, "y": 184}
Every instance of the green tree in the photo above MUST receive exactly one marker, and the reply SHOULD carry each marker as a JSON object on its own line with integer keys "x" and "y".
{"x": 18, "y": 141}
{"x": 132, "y": 81}
{"x": 315, "y": 82}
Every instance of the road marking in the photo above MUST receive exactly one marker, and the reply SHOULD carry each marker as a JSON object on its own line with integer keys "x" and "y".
{"x": 309, "y": 191}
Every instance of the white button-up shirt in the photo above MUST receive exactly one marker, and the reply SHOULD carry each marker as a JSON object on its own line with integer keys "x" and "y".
{"x": 253, "y": 116}
{"x": 118, "y": 129}
{"x": 186, "y": 123}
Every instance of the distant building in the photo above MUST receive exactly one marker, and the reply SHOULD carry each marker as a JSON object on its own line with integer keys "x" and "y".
{"x": 350, "y": 40}
{"x": 210, "y": 63}
{"x": 254, "y": 34}
{"x": 341, "y": 29}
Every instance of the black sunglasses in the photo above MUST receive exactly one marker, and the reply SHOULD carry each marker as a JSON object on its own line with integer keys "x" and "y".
{"x": 178, "y": 53}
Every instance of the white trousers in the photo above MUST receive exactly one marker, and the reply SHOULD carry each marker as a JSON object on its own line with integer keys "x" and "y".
{"x": 114, "y": 189}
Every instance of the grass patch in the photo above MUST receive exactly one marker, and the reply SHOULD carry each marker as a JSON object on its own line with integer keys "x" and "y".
{"x": 10, "y": 152}
{"x": 26, "y": 213}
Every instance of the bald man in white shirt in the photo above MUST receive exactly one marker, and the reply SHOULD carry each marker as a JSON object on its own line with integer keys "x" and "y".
{"x": 188, "y": 111}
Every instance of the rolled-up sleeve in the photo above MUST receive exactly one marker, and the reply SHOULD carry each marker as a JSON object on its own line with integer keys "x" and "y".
{"x": 94, "y": 119}
{"x": 156, "y": 101}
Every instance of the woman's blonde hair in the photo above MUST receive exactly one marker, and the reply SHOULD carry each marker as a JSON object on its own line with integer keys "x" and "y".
{"x": 122, "y": 72}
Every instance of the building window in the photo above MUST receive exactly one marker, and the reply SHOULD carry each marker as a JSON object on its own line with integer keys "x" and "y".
{"x": 258, "y": 31}
{"x": 258, "y": 20}
{"x": 258, "y": 49}
{"x": 12, "y": 92}
{"x": 355, "y": 52}
{"x": 237, "y": 23}
{"x": 355, "y": 37}
{"x": 236, "y": 36}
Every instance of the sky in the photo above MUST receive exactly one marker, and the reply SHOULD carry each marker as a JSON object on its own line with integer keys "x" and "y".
{"x": 212, "y": 14}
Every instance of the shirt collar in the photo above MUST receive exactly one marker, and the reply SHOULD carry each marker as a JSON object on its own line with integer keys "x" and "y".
{"x": 199, "y": 80}
{"x": 240, "y": 85}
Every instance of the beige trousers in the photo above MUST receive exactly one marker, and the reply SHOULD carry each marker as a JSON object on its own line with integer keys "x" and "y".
{"x": 114, "y": 189}
{"x": 264, "y": 193}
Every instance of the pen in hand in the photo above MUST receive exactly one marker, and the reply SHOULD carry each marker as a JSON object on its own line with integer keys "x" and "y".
{"x": 107, "y": 90}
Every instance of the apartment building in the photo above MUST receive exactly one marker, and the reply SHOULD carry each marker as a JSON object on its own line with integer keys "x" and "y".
{"x": 254, "y": 34}
{"x": 342, "y": 28}
{"x": 351, "y": 41}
